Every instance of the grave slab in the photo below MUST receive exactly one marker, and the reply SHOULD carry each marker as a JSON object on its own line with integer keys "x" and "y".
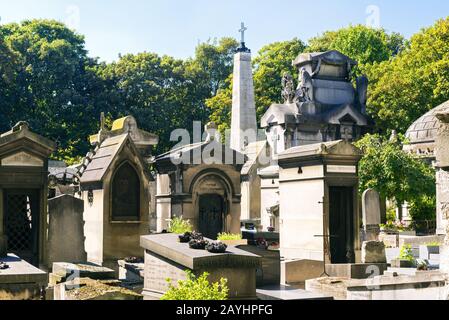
{"x": 21, "y": 280}
{"x": 281, "y": 292}
{"x": 165, "y": 257}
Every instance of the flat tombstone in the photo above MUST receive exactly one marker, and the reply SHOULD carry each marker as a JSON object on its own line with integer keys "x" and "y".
{"x": 371, "y": 213}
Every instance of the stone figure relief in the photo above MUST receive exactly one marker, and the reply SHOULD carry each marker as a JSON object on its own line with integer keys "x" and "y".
{"x": 362, "y": 91}
{"x": 288, "y": 91}
{"x": 305, "y": 87}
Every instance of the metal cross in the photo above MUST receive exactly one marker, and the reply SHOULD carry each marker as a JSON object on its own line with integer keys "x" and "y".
{"x": 242, "y": 31}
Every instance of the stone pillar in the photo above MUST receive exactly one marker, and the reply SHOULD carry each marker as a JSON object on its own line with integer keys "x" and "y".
{"x": 442, "y": 163}
{"x": 243, "y": 103}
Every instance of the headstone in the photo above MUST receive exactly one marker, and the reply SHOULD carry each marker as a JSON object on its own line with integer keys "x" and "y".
{"x": 66, "y": 244}
{"x": 373, "y": 252}
{"x": 371, "y": 214}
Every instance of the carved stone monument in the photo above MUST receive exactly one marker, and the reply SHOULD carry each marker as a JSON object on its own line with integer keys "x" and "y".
{"x": 371, "y": 214}
{"x": 373, "y": 250}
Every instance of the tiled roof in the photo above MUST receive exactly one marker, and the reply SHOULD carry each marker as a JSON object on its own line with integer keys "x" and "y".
{"x": 425, "y": 129}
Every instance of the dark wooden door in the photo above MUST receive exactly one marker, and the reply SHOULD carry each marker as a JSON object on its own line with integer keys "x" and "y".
{"x": 341, "y": 224}
{"x": 211, "y": 215}
{"x": 21, "y": 223}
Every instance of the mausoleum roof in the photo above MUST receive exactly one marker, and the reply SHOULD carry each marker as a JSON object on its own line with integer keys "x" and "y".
{"x": 425, "y": 129}
{"x": 331, "y": 57}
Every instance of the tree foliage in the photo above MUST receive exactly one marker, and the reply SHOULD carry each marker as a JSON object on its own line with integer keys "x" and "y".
{"x": 197, "y": 289}
{"x": 395, "y": 174}
{"x": 270, "y": 64}
{"x": 412, "y": 83}
{"x": 50, "y": 83}
{"x": 364, "y": 44}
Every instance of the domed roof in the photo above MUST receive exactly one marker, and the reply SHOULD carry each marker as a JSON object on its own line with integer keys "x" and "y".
{"x": 425, "y": 129}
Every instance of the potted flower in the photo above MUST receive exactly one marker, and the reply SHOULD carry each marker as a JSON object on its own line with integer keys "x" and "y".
{"x": 232, "y": 239}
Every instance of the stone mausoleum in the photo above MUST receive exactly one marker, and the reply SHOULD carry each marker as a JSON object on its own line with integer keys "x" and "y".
{"x": 118, "y": 192}
{"x": 201, "y": 183}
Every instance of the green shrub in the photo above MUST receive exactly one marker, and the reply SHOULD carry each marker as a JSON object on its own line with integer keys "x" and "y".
{"x": 197, "y": 289}
{"x": 180, "y": 226}
{"x": 229, "y": 236}
{"x": 406, "y": 253}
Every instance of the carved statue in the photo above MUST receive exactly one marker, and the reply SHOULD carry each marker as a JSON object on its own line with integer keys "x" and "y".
{"x": 362, "y": 89}
{"x": 305, "y": 87}
{"x": 288, "y": 92}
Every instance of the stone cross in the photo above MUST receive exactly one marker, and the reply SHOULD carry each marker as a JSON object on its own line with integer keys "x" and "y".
{"x": 242, "y": 32}
{"x": 371, "y": 214}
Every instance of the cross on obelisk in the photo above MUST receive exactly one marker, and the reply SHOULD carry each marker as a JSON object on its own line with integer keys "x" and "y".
{"x": 243, "y": 47}
{"x": 242, "y": 32}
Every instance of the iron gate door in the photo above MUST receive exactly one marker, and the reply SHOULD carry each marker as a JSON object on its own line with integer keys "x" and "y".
{"x": 341, "y": 211}
{"x": 21, "y": 223}
{"x": 211, "y": 215}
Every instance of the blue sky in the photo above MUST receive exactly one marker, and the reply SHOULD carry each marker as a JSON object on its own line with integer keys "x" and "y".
{"x": 175, "y": 27}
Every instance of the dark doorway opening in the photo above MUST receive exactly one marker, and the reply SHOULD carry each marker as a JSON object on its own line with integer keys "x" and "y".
{"x": 341, "y": 224}
{"x": 21, "y": 223}
{"x": 211, "y": 215}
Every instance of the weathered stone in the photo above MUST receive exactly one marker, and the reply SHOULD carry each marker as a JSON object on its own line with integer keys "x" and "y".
{"x": 373, "y": 252}
{"x": 88, "y": 289}
{"x": 117, "y": 189}
{"x": 166, "y": 257}
{"x": 23, "y": 192}
{"x": 21, "y": 280}
{"x": 73, "y": 271}
{"x": 66, "y": 244}
{"x": 371, "y": 214}
{"x": 243, "y": 104}
{"x": 303, "y": 174}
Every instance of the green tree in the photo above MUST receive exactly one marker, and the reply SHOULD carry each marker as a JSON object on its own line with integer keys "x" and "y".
{"x": 220, "y": 107}
{"x": 412, "y": 83}
{"x": 197, "y": 289}
{"x": 395, "y": 174}
{"x": 270, "y": 64}
{"x": 364, "y": 44}
{"x": 52, "y": 83}
{"x": 215, "y": 61}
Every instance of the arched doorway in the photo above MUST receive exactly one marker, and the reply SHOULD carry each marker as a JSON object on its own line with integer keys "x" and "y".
{"x": 211, "y": 196}
{"x": 211, "y": 215}
{"x": 125, "y": 194}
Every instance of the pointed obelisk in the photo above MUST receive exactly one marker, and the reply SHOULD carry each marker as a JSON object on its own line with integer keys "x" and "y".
{"x": 244, "y": 123}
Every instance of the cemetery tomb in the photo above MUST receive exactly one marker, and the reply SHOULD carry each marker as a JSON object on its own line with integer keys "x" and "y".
{"x": 23, "y": 193}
